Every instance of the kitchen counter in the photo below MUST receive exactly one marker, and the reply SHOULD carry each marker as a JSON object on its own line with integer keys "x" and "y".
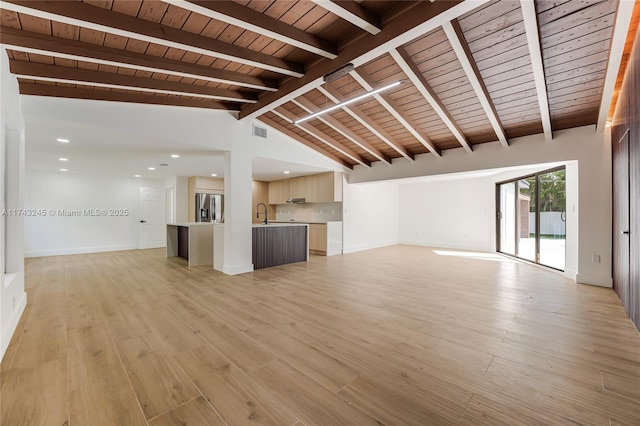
{"x": 304, "y": 221}
{"x": 188, "y": 224}
{"x": 275, "y": 224}
{"x": 192, "y": 241}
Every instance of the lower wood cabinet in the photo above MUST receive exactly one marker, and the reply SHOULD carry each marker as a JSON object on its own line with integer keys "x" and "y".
{"x": 318, "y": 238}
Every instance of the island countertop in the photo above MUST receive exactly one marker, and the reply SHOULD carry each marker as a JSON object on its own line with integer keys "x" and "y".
{"x": 278, "y": 224}
{"x": 187, "y": 224}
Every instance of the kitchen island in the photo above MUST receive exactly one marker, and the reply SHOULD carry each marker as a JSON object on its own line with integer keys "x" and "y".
{"x": 279, "y": 243}
{"x": 192, "y": 241}
{"x": 325, "y": 238}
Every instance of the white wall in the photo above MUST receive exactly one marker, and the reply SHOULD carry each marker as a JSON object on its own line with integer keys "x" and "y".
{"x": 212, "y": 130}
{"x": 312, "y": 212}
{"x": 589, "y": 156}
{"x": 370, "y": 216}
{"x": 56, "y": 235}
{"x": 180, "y": 186}
{"x": 13, "y": 297}
{"x": 452, "y": 213}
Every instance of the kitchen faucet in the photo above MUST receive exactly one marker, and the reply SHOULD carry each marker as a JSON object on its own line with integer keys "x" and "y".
{"x": 266, "y": 219}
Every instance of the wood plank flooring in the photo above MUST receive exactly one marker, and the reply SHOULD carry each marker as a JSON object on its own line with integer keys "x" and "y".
{"x": 394, "y": 336}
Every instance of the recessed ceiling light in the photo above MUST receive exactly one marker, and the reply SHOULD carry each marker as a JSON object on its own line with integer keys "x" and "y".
{"x": 136, "y": 175}
{"x": 286, "y": 172}
{"x": 152, "y": 168}
{"x": 63, "y": 140}
{"x": 63, "y": 159}
{"x": 63, "y": 170}
{"x": 175, "y": 156}
{"x": 213, "y": 174}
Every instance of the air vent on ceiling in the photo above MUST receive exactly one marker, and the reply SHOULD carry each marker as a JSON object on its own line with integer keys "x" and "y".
{"x": 260, "y": 132}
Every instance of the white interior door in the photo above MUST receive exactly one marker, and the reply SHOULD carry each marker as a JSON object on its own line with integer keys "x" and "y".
{"x": 152, "y": 218}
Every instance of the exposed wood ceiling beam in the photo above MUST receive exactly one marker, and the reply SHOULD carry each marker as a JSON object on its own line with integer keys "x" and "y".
{"x": 623, "y": 18}
{"x": 362, "y": 118}
{"x": 41, "y": 44}
{"x": 412, "y": 23}
{"x": 249, "y": 19}
{"x": 462, "y": 51}
{"x": 321, "y": 136}
{"x": 96, "y": 18}
{"x": 530, "y": 17}
{"x": 104, "y": 95}
{"x": 353, "y": 12}
{"x": 403, "y": 59}
{"x": 283, "y": 129}
{"x": 59, "y": 74}
{"x": 390, "y": 105}
{"x": 336, "y": 125}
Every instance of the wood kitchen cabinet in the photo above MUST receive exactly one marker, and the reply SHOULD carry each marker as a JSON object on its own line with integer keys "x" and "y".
{"x": 320, "y": 188}
{"x": 279, "y": 191}
{"x": 298, "y": 187}
{"x": 260, "y": 194}
{"x": 202, "y": 185}
{"x": 324, "y": 187}
{"x": 318, "y": 238}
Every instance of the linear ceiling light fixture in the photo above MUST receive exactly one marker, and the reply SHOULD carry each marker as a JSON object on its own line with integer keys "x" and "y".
{"x": 349, "y": 101}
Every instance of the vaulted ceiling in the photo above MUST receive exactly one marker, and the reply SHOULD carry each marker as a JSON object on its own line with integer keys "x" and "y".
{"x": 472, "y": 72}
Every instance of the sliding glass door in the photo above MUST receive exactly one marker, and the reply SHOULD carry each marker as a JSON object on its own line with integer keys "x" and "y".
{"x": 508, "y": 218}
{"x": 553, "y": 218}
{"x": 531, "y": 218}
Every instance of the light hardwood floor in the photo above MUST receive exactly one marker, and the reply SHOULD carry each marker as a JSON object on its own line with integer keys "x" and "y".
{"x": 395, "y": 336}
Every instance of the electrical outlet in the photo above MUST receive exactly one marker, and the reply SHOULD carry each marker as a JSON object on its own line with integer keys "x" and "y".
{"x": 333, "y": 211}
{"x": 13, "y": 302}
{"x": 595, "y": 258}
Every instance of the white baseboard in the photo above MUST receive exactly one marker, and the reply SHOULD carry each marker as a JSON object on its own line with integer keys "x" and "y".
{"x": 237, "y": 269}
{"x": 79, "y": 250}
{"x": 441, "y": 244}
{"x": 594, "y": 280}
{"x": 571, "y": 274}
{"x": 12, "y": 324}
{"x": 361, "y": 247}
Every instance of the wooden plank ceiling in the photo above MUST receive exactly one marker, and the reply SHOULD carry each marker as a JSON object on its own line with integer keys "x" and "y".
{"x": 469, "y": 70}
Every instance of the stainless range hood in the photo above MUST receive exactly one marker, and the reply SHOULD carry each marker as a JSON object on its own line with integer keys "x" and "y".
{"x": 296, "y": 200}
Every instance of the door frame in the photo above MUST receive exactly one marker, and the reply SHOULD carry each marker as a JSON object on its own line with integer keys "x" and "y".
{"x": 625, "y": 299}
{"x": 162, "y": 220}
{"x": 516, "y": 181}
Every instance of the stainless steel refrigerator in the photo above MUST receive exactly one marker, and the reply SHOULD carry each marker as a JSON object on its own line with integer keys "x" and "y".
{"x": 209, "y": 208}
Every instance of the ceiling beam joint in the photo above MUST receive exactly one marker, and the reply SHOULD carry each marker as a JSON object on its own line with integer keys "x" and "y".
{"x": 336, "y": 125}
{"x": 403, "y": 59}
{"x": 246, "y": 18}
{"x": 391, "y": 106}
{"x": 354, "y": 13}
{"x": 95, "y": 18}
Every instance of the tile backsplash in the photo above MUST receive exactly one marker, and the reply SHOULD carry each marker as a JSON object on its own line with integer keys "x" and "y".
{"x": 312, "y": 212}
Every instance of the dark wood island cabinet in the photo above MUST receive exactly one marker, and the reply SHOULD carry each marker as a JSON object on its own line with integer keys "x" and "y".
{"x": 279, "y": 244}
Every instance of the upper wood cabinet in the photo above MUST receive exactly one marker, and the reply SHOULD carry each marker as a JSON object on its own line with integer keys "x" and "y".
{"x": 260, "y": 194}
{"x": 201, "y": 184}
{"x": 298, "y": 187}
{"x": 324, "y": 187}
{"x": 206, "y": 185}
{"x": 320, "y": 188}
{"x": 279, "y": 191}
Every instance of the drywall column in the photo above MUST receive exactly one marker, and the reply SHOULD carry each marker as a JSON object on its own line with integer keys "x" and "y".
{"x": 237, "y": 213}
{"x": 13, "y": 298}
